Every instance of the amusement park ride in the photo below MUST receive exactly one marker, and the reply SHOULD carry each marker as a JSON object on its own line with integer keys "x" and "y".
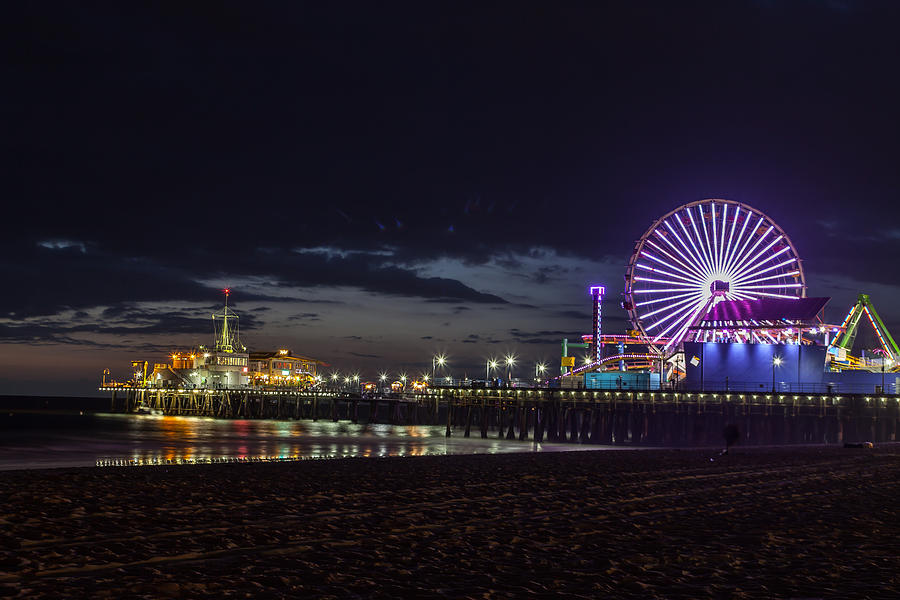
{"x": 839, "y": 350}
{"x": 720, "y": 271}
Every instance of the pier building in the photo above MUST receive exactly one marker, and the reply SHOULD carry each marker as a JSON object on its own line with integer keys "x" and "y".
{"x": 202, "y": 368}
{"x": 282, "y": 368}
{"x": 226, "y": 365}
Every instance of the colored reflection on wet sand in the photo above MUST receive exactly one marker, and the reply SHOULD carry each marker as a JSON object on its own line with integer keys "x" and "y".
{"x": 32, "y": 440}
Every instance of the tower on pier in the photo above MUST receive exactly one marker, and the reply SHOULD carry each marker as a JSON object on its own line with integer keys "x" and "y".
{"x": 597, "y": 292}
{"x": 226, "y": 328}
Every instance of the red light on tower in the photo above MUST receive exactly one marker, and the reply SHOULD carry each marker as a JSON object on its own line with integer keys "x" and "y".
{"x": 227, "y": 291}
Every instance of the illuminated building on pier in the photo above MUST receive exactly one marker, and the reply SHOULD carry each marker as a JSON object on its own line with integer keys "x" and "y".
{"x": 283, "y": 369}
{"x": 227, "y": 364}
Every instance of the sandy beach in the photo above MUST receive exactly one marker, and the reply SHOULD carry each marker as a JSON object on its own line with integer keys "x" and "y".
{"x": 756, "y": 523}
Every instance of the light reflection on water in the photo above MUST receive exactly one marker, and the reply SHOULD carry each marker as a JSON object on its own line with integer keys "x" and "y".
{"x": 31, "y": 441}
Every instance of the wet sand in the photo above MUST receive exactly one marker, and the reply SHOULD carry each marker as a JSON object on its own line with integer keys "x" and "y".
{"x": 757, "y": 523}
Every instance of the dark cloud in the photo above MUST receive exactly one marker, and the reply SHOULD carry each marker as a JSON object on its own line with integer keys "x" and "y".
{"x": 128, "y": 323}
{"x": 546, "y": 337}
{"x": 546, "y": 275}
{"x": 304, "y": 317}
{"x": 474, "y": 338}
{"x": 49, "y": 281}
{"x": 574, "y": 314}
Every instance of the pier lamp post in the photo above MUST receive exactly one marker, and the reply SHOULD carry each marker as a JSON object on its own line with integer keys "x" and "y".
{"x": 403, "y": 381}
{"x": 510, "y": 363}
{"x": 776, "y": 362}
{"x": 334, "y": 380}
{"x": 382, "y": 377}
{"x": 437, "y": 361}
{"x": 539, "y": 369}
{"x": 489, "y": 366}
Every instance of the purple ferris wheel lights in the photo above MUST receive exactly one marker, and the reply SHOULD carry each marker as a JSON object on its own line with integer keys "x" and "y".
{"x": 701, "y": 253}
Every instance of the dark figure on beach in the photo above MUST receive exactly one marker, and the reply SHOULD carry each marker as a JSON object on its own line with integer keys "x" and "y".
{"x": 732, "y": 434}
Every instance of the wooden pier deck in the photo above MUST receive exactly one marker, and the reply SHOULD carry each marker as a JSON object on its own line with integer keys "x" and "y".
{"x": 643, "y": 418}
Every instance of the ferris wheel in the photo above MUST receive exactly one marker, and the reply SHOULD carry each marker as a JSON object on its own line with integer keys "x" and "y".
{"x": 702, "y": 253}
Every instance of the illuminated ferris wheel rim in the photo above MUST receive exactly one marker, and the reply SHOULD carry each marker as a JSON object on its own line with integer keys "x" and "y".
{"x": 668, "y": 281}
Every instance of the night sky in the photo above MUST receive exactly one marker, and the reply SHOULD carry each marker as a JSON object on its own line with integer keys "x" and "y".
{"x": 379, "y": 182}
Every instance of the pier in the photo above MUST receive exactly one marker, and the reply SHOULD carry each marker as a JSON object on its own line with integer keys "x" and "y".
{"x": 637, "y": 418}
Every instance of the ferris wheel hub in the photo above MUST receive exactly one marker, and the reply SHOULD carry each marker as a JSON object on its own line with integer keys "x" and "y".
{"x": 719, "y": 287}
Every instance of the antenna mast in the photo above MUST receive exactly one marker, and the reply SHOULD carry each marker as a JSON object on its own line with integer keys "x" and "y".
{"x": 225, "y": 325}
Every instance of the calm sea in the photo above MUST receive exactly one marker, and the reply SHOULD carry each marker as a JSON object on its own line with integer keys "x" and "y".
{"x": 38, "y": 440}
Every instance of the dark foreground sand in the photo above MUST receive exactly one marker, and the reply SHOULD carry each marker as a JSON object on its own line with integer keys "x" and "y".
{"x": 785, "y": 523}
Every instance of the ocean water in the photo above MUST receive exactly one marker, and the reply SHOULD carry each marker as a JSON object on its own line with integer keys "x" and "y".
{"x": 51, "y": 439}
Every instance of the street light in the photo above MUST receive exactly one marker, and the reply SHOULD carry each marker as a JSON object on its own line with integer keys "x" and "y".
{"x": 776, "y": 362}
{"x": 489, "y": 366}
{"x": 539, "y": 369}
{"x": 437, "y": 361}
{"x": 510, "y": 363}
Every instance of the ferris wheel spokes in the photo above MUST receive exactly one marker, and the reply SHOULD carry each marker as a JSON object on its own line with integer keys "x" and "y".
{"x": 780, "y": 275}
{"x": 657, "y": 270}
{"x": 696, "y": 264}
{"x": 692, "y": 300}
{"x": 699, "y": 241}
{"x": 751, "y": 271}
{"x": 732, "y": 251}
{"x": 688, "y": 272}
{"x": 739, "y": 267}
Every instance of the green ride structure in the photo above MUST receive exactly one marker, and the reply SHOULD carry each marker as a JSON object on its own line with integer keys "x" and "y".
{"x": 841, "y": 347}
